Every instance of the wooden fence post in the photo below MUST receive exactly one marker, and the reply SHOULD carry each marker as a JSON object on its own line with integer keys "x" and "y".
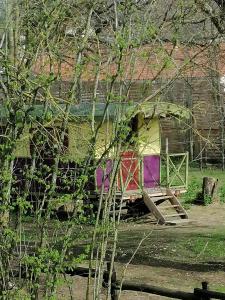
{"x": 199, "y": 292}
{"x": 205, "y": 288}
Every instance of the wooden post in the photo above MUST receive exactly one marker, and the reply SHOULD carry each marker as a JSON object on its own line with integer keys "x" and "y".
{"x": 186, "y": 171}
{"x": 201, "y": 158}
{"x": 167, "y": 146}
{"x": 201, "y": 293}
{"x": 209, "y": 187}
{"x": 167, "y": 163}
{"x": 167, "y": 170}
{"x": 205, "y": 288}
{"x": 155, "y": 290}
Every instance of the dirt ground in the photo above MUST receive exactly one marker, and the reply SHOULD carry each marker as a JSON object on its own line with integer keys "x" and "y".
{"x": 158, "y": 276}
{"x": 209, "y": 220}
{"x": 206, "y": 217}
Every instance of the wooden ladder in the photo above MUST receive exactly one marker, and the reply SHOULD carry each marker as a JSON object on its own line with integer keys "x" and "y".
{"x": 166, "y": 208}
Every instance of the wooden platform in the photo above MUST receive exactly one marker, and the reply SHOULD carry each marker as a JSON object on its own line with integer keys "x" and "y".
{"x": 162, "y": 202}
{"x": 138, "y": 194}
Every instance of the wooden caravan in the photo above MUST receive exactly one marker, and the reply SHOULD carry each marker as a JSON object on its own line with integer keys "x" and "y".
{"x": 142, "y": 167}
{"x": 147, "y": 173}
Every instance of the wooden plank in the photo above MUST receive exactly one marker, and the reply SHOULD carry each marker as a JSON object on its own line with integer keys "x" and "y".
{"x": 174, "y": 215}
{"x": 146, "y": 288}
{"x": 210, "y": 294}
{"x": 177, "y": 154}
{"x": 168, "y": 206}
{"x": 155, "y": 199}
{"x": 167, "y": 170}
{"x": 178, "y": 221}
{"x": 186, "y": 171}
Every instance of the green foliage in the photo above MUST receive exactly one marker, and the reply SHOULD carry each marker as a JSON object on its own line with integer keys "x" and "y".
{"x": 207, "y": 199}
{"x": 168, "y": 62}
{"x": 48, "y": 181}
{"x": 195, "y": 175}
{"x": 23, "y": 205}
{"x": 55, "y": 203}
{"x": 222, "y": 194}
{"x": 193, "y": 191}
{"x": 207, "y": 246}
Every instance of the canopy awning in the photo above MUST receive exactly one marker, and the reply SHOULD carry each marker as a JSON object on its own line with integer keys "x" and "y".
{"x": 100, "y": 110}
{"x": 162, "y": 109}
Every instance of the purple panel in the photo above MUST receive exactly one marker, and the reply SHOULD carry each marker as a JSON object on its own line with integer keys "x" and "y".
{"x": 151, "y": 171}
{"x": 106, "y": 174}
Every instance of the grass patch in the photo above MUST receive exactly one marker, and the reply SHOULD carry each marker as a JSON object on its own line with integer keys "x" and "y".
{"x": 220, "y": 289}
{"x": 204, "y": 247}
{"x": 173, "y": 246}
{"x": 195, "y": 180}
{"x": 193, "y": 191}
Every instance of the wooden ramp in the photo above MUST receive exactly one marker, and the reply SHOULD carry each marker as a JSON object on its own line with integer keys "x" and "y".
{"x": 166, "y": 208}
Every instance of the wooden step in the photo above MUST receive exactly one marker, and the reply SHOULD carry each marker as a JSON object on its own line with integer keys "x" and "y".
{"x": 160, "y": 198}
{"x": 178, "y": 222}
{"x": 175, "y": 215}
{"x": 123, "y": 211}
{"x": 169, "y": 206}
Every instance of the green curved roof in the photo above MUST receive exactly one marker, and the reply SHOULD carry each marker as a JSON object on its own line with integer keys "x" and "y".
{"x": 111, "y": 110}
{"x": 163, "y": 109}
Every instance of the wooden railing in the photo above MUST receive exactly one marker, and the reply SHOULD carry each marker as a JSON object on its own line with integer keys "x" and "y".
{"x": 176, "y": 169}
{"x": 117, "y": 286}
{"x": 197, "y": 294}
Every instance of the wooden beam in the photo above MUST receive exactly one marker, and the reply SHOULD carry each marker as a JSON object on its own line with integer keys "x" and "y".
{"x": 146, "y": 288}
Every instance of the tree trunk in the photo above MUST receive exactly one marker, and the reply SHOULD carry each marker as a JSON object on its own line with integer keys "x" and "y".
{"x": 209, "y": 187}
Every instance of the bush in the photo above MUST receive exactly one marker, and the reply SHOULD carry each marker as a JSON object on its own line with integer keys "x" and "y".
{"x": 207, "y": 199}
{"x": 193, "y": 191}
{"x": 222, "y": 194}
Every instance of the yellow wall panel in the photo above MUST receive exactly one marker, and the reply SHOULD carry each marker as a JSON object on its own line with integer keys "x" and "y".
{"x": 148, "y": 135}
{"x": 79, "y": 135}
{"x": 79, "y": 140}
{"x": 23, "y": 144}
{"x": 104, "y": 137}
